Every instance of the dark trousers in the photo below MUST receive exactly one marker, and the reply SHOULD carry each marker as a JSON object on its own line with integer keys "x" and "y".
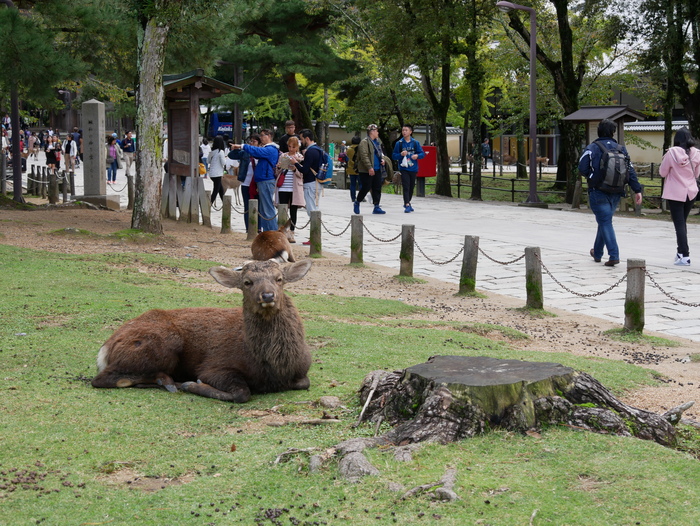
{"x": 679, "y": 214}
{"x": 371, "y": 183}
{"x": 218, "y": 189}
{"x": 408, "y": 182}
{"x": 245, "y": 192}
{"x": 285, "y": 198}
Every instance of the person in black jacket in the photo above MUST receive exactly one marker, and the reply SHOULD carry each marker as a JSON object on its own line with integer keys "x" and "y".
{"x": 309, "y": 167}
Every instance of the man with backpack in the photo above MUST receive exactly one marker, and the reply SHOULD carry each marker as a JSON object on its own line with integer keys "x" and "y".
{"x": 606, "y": 166}
{"x": 309, "y": 168}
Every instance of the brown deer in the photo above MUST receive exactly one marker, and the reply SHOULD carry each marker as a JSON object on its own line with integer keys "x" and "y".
{"x": 231, "y": 181}
{"x": 225, "y": 354}
{"x": 274, "y": 244}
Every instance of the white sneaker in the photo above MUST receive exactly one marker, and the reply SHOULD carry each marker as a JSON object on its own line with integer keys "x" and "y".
{"x": 682, "y": 261}
{"x": 677, "y": 258}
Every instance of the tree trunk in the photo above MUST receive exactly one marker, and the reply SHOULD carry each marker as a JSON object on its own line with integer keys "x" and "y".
{"x": 450, "y": 398}
{"x": 300, "y": 113}
{"x": 16, "y": 150}
{"x": 149, "y": 127}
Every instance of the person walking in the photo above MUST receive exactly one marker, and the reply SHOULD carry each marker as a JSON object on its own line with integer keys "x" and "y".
{"x": 289, "y": 131}
{"x": 266, "y": 157}
{"x": 408, "y": 151}
{"x": 129, "y": 149}
{"x": 216, "y": 161}
{"x": 485, "y": 152}
{"x": 205, "y": 148}
{"x": 604, "y": 202}
{"x": 112, "y": 159}
{"x": 680, "y": 169}
{"x": 351, "y": 167}
{"x": 291, "y": 189}
{"x": 369, "y": 163}
{"x": 309, "y": 167}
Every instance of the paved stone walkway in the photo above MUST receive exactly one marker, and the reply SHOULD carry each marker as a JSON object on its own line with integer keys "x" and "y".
{"x": 505, "y": 230}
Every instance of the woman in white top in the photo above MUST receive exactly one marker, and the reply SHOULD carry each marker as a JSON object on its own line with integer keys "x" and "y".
{"x": 292, "y": 190}
{"x": 216, "y": 167}
{"x": 206, "y": 150}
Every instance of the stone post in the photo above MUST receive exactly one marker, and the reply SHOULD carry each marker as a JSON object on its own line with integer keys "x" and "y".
{"x": 253, "y": 219}
{"x": 356, "y": 239}
{"x": 95, "y": 156}
{"x": 406, "y": 254}
{"x": 634, "y": 297}
{"x": 533, "y": 279}
{"x": 467, "y": 278}
{"x": 315, "y": 234}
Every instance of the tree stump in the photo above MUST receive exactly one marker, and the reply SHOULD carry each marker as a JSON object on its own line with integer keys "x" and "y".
{"x": 449, "y": 398}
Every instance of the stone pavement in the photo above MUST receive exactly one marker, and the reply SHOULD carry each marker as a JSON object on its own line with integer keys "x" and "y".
{"x": 564, "y": 237}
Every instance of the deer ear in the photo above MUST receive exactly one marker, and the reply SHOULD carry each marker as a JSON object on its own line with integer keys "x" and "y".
{"x": 296, "y": 271}
{"x": 226, "y": 277}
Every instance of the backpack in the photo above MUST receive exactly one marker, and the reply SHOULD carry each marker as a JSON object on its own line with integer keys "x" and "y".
{"x": 614, "y": 169}
{"x": 325, "y": 172}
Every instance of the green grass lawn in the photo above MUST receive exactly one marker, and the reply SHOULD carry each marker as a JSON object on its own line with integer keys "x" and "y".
{"x": 71, "y": 454}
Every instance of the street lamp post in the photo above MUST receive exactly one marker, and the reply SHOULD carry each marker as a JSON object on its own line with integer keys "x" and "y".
{"x": 532, "y": 199}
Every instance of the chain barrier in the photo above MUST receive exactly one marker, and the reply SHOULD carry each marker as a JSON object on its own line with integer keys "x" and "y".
{"x": 668, "y": 295}
{"x": 323, "y": 224}
{"x": 379, "y": 239}
{"x": 301, "y": 227}
{"x": 432, "y": 260}
{"x": 121, "y": 189}
{"x": 500, "y": 262}
{"x": 580, "y": 294}
{"x": 213, "y": 207}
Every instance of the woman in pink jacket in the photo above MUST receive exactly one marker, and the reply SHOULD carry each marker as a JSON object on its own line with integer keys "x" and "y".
{"x": 681, "y": 168}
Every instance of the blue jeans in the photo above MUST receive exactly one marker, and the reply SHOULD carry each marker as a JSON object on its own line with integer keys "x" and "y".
{"x": 603, "y": 206}
{"x": 354, "y": 186}
{"x": 112, "y": 172}
{"x": 266, "y": 205}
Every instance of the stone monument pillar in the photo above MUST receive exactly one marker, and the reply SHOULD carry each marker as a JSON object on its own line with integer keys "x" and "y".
{"x": 94, "y": 157}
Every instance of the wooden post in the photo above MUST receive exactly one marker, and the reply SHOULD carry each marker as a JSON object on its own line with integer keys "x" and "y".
{"x": 226, "y": 215}
{"x": 315, "y": 234}
{"x": 53, "y": 187}
{"x": 72, "y": 184}
{"x": 356, "y": 239}
{"x": 129, "y": 191}
{"x": 578, "y": 191}
{"x": 282, "y": 214}
{"x": 44, "y": 182}
{"x": 253, "y": 219}
{"x": 406, "y": 254}
{"x": 533, "y": 278}
{"x": 204, "y": 197}
{"x": 31, "y": 176}
{"x": 634, "y": 297}
{"x": 3, "y": 175}
{"x": 467, "y": 279}
{"x": 64, "y": 186}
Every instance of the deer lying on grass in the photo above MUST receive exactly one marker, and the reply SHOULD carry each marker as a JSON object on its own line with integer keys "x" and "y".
{"x": 225, "y": 354}
{"x": 274, "y": 244}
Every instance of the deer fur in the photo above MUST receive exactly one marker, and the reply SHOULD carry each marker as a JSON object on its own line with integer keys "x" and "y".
{"x": 225, "y": 354}
{"x": 273, "y": 244}
{"x": 231, "y": 181}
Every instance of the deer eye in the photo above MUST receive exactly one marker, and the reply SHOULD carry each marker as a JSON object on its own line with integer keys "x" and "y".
{"x": 247, "y": 282}
{"x": 279, "y": 280}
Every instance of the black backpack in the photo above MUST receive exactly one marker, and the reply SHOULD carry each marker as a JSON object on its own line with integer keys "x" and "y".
{"x": 613, "y": 169}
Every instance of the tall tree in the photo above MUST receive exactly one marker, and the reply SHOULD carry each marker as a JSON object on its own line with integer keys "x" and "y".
{"x": 22, "y": 32}
{"x": 426, "y": 35}
{"x": 582, "y": 30}
{"x": 671, "y": 29}
{"x": 155, "y": 18}
{"x": 281, "y": 45}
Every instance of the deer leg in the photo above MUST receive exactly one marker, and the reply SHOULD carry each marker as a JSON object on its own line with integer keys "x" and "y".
{"x": 108, "y": 379}
{"x": 239, "y": 395}
{"x": 301, "y": 384}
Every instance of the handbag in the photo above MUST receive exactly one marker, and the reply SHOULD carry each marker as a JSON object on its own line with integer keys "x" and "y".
{"x": 110, "y": 160}
{"x": 280, "y": 178}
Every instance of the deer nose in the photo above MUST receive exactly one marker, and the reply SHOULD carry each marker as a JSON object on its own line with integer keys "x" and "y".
{"x": 267, "y": 297}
